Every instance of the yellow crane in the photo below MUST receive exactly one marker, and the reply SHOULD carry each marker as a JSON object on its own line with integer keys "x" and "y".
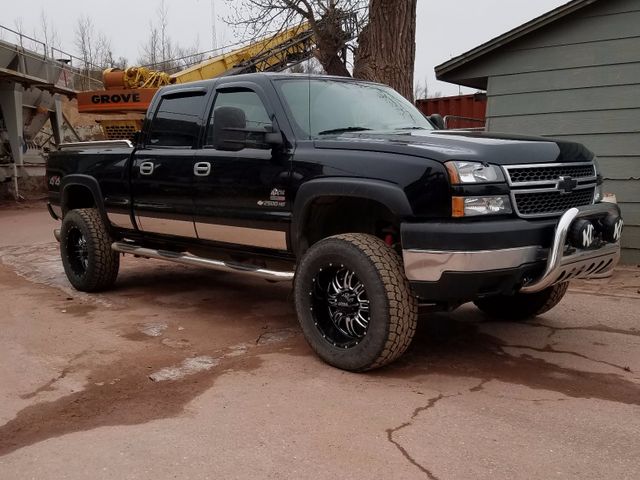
{"x": 130, "y": 91}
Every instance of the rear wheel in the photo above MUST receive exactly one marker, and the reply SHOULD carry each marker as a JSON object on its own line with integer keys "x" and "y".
{"x": 85, "y": 247}
{"x": 354, "y": 303}
{"x": 523, "y": 306}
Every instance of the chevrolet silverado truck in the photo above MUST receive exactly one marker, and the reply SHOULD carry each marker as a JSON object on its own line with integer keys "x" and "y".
{"x": 344, "y": 188}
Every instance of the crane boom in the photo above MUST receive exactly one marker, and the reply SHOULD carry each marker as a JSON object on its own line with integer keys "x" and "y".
{"x": 131, "y": 90}
{"x": 272, "y": 53}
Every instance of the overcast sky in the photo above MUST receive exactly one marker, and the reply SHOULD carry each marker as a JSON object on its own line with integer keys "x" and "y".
{"x": 445, "y": 29}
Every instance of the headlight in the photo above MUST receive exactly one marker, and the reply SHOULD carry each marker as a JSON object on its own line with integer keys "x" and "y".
{"x": 599, "y": 193}
{"x": 474, "y": 206}
{"x": 473, "y": 172}
{"x": 597, "y": 166}
{"x": 598, "y": 196}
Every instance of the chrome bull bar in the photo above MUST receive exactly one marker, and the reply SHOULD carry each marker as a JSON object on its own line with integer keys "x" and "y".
{"x": 583, "y": 263}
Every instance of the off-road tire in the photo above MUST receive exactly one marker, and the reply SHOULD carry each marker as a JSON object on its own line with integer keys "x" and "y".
{"x": 522, "y": 306}
{"x": 393, "y": 308}
{"x": 102, "y": 263}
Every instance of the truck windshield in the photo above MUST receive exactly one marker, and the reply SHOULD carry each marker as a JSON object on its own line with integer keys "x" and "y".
{"x": 330, "y": 107}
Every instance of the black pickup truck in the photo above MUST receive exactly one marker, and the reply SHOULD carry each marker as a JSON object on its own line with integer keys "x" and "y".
{"x": 346, "y": 189}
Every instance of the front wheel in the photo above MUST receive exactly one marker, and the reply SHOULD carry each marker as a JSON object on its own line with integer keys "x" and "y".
{"x": 523, "y": 306}
{"x": 354, "y": 303}
{"x": 85, "y": 247}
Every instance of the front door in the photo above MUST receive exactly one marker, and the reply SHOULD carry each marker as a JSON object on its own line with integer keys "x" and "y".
{"x": 244, "y": 199}
{"x": 162, "y": 174}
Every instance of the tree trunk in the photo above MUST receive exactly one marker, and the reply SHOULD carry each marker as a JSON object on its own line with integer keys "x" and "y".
{"x": 331, "y": 63}
{"x": 330, "y": 38}
{"x": 387, "y": 46}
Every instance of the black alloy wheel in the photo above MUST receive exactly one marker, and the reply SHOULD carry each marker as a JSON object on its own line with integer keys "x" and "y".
{"x": 354, "y": 303}
{"x": 85, "y": 247}
{"x": 340, "y": 306}
{"x": 77, "y": 251}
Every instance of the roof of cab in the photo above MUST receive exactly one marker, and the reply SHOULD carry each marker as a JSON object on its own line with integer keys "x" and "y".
{"x": 259, "y": 77}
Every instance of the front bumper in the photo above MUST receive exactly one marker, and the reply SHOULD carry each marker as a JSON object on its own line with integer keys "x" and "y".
{"x": 530, "y": 262}
{"x": 563, "y": 266}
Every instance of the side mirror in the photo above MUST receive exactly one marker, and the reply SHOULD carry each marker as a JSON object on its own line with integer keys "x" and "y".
{"x": 136, "y": 137}
{"x": 272, "y": 136}
{"x": 228, "y": 123}
{"x": 437, "y": 120}
{"x": 232, "y": 138}
{"x": 230, "y": 131}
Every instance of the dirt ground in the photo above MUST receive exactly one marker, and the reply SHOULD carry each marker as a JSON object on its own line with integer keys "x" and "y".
{"x": 188, "y": 373}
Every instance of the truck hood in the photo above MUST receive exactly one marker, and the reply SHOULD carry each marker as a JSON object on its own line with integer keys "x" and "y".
{"x": 443, "y": 145}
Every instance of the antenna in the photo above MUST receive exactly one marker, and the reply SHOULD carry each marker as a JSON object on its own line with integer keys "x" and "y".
{"x": 309, "y": 98}
{"x": 214, "y": 36}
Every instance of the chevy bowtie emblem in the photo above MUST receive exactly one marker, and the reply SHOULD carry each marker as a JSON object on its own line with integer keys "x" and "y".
{"x": 567, "y": 184}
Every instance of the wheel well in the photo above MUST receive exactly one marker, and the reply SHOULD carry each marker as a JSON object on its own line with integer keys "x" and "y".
{"x": 332, "y": 215}
{"x": 77, "y": 196}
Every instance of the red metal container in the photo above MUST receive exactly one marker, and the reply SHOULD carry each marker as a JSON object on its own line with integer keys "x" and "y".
{"x": 461, "y": 111}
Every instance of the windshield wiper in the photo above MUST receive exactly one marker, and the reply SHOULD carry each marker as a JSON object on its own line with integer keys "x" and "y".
{"x": 343, "y": 130}
{"x": 412, "y": 127}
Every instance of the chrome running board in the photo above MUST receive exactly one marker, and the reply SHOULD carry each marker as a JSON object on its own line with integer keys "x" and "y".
{"x": 188, "y": 259}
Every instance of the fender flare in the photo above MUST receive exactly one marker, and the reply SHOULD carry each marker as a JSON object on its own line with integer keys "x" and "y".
{"x": 388, "y": 194}
{"x": 88, "y": 182}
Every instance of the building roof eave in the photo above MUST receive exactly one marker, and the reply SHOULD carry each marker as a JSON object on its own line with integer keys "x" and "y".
{"x": 444, "y": 70}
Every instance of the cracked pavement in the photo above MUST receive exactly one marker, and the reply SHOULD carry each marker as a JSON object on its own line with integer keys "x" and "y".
{"x": 187, "y": 373}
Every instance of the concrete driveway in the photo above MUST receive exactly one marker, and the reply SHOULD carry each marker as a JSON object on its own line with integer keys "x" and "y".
{"x": 187, "y": 373}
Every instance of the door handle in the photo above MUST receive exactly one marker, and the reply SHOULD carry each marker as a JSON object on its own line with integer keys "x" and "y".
{"x": 146, "y": 168}
{"x": 202, "y": 169}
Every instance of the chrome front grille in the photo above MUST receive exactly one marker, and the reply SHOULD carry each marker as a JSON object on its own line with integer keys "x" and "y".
{"x": 547, "y": 190}
{"x": 533, "y": 204}
{"x": 545, "y": 174}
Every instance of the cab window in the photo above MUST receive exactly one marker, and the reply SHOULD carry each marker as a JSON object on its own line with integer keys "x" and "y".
{"x": 176, "y": 122}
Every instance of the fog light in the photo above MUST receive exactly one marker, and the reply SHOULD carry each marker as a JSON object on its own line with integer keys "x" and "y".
{"x": 612, "y": 227}
{"x": 475, "y": 206}
{"x": 582, "y": 233}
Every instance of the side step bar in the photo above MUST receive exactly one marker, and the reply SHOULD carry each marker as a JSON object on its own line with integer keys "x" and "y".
{"x": 188, "y": 259}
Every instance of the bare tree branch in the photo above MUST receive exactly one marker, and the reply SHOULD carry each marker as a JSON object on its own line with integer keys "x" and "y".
{"x": 48, "y": 32}
{"x": 159, "y": 52}
{"x": 94, "y": 49}
{"x": 325, "y": 18}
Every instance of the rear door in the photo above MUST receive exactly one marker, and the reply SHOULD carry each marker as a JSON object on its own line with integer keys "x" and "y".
{"x": 244, "y": 200}
{"x": 162, "y": 174}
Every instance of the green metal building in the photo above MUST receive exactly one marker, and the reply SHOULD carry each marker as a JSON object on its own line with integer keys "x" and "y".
{"x": 573, "y": 73}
